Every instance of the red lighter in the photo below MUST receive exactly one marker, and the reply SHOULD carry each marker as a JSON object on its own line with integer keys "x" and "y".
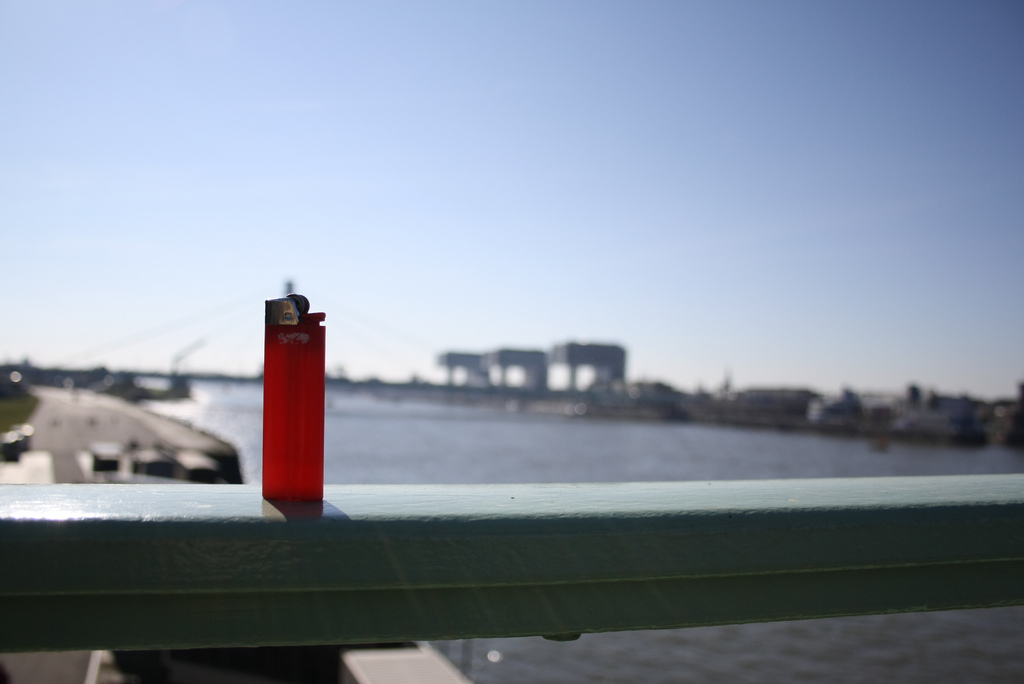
{"x": 293, "y": 401}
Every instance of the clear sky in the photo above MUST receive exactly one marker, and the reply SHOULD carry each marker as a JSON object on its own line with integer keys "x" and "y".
{"x": 806, "y": 193}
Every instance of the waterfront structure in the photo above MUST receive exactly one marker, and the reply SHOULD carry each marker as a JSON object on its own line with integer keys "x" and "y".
{"x": 607, "y": 360}
{"x": 534, "y": 365}
{"x": 1015, "y": 435}
{"x": 842, "y": 410}
{"x": 472, "y": 364}
{"x": 775, "y": 407}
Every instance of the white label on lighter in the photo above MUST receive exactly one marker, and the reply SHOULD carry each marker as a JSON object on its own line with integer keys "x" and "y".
{"x": 293, "y": 338}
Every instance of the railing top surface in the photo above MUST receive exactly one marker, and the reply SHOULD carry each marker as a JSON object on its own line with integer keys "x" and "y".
{"x": 143, "y": 566}
{"x": 347, "y": 504}
{"x": 130, "y": 538}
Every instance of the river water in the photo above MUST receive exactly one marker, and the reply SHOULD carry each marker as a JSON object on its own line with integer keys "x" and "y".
{"x": 370, "y": 440}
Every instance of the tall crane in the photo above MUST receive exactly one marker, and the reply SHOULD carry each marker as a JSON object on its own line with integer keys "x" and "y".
{"x": 180, "y": 356}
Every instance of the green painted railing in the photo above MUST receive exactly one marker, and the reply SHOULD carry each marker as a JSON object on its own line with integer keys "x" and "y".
{"x": 140, "y": 566}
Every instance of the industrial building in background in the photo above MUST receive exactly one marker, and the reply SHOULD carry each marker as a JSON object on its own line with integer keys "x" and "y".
{"x": 533, "y": 363}
{"x": 607, "y": 360}
{"x": 471, "y": 364}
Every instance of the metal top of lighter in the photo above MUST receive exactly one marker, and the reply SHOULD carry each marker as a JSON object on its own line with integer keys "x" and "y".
{"x": 286, "y": 310}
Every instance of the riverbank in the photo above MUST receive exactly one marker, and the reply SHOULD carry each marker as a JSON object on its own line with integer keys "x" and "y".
{"x": 960, "y": 421}
{"x": 69, "y": 422}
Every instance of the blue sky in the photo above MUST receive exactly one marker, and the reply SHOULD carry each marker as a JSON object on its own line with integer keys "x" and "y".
{"x": 805, "y": 193}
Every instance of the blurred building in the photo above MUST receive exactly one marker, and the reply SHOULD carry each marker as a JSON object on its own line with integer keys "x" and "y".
{"x": 842, "y": 410}
{"x": 607, "y": 360}
{"x": 471, "y": 364}
{"x": 533, "y": 363}
{"x": 1015, "y": 432}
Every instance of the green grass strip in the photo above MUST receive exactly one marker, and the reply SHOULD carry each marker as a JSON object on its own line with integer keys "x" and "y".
{"x": 14, "y": 411}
